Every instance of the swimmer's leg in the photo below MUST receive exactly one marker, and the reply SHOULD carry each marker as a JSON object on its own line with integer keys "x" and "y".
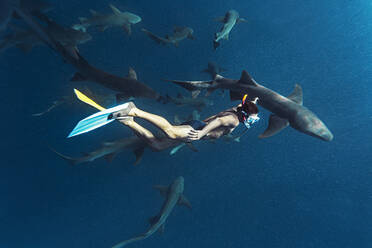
{"x": 173, "y": 132}
{"x": 150, "y": 139}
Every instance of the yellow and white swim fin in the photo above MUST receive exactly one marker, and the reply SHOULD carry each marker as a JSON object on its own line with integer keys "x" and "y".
{"x": 96, "y": 120}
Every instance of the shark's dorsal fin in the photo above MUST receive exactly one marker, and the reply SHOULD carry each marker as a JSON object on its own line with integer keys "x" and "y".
{"x": 132, "y": 73}
{"x": 162, "y": 189}
{"x": 94, "y": 13}
{"x": 115, "y": 10}
{"x": 276, "y": 124}
{"x": 247, "y": 79}
{"x": 218, "y": 77}
{"x": 139, "y": 154}
{"x": 297, "y": 95}
{"x": 184, "y": 201}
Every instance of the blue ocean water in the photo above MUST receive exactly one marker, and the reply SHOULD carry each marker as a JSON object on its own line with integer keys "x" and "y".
{"x": 290, "y": 190}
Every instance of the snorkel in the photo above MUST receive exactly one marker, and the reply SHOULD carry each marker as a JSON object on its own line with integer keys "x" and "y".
{"x": 249, "y": 119}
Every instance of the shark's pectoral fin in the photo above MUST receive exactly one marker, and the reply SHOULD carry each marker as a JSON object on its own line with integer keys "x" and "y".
{"x": 176, "y": 149}
{"x": 78, "y": 77}
{"x": 132, "y": 73}
{"x": 226, "y": 37}
{"x": 184, "y": 201}
{"x": 72, "y": 50}
{"x": 110, "y": 157}
{"x": 276, "y": 124}
{"x": 162, "y": 189}
{"x": 297, "y": 95}
{"x": 240, "y": 20}
{"x": 195, "y": 93}
{"x": 127, "y": 28}
{"x": 209, "y": 92}
{"x": 139, "y": 154}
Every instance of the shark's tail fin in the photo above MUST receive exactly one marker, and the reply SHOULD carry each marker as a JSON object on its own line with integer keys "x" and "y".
{"x": 156, "y": 38}
{"x": 71, "y": 160}
{"x": 96, "y": 120}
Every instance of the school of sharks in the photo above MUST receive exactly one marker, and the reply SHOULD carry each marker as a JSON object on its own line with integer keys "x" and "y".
{"x": 25, "y": 24}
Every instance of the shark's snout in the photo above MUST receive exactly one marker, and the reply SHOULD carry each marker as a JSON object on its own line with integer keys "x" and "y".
{"x": 324, "y": 134}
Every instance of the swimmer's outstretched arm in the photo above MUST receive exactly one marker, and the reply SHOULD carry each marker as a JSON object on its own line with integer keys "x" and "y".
{"x": 216, "y": 123}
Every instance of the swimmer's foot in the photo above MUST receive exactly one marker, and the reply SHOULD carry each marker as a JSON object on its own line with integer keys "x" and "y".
{"x": 124, "y": 113}
{"x": 127, "y": 120}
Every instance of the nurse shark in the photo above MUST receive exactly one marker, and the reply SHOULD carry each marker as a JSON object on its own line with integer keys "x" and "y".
{"x": 102, "y": 22}
{"x": 285, "y": 110}
{"x": 173, "y": 196}
{"x": 229, "y": 20}
{"x": 179, "y": 34}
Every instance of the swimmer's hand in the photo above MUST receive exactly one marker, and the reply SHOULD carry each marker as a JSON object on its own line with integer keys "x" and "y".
{"x": 194, "y": 135}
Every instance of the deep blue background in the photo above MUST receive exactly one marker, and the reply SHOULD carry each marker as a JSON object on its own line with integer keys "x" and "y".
{"x": 291, "y": 190}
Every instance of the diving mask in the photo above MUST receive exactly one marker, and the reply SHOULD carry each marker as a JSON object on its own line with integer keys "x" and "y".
{"x": 248, "y": 122}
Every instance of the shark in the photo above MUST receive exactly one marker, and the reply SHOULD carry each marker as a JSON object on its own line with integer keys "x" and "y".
{"x": 173, "y": 196}
{"x": 229, "y": 20}
{"x": 27, "y": 39}
{"x": 109, "y": 150}
{"x": 125, "y": 86}
{"x": 102, "y": 22}
{"x": 12, "y": 7}
{"x": 286, "y": 111}
{"x": 198, "y": 103}
{"x": 213, "y": 70}
{"x": 179, "y": 34}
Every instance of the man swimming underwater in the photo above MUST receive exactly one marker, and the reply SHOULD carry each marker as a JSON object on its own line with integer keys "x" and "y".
{"x": 213, "y": 127}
